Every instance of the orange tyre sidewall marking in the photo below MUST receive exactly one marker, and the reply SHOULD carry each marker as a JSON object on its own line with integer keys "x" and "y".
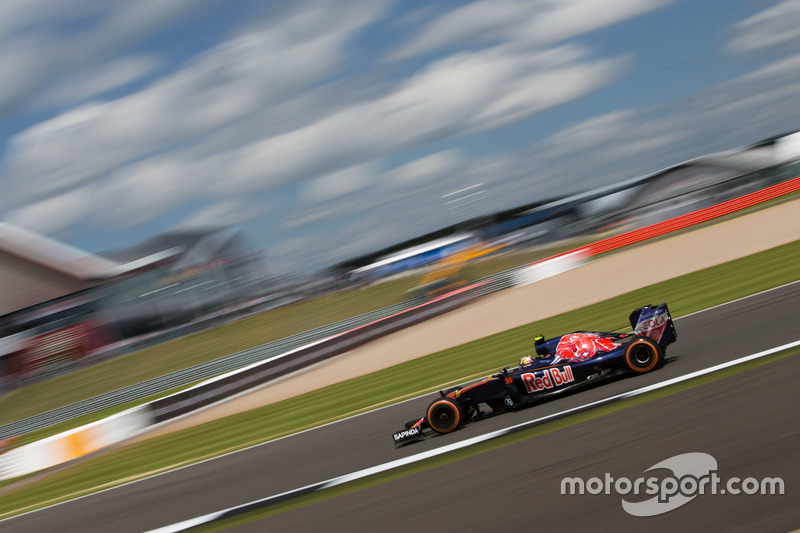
{"x": 633, "y": 367}
{"x": 457, "y": 412}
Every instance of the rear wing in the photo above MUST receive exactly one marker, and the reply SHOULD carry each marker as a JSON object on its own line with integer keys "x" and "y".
{"x": 654, "y": 321}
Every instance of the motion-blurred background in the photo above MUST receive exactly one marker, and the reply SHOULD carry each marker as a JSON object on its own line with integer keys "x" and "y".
{"x": 172, "y": 165}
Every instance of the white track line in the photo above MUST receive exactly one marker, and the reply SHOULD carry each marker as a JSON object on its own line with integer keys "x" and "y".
{"x": 739, "y": 299}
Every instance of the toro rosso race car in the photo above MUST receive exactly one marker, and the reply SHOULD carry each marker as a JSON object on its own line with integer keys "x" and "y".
{"x": 562, "y": 364}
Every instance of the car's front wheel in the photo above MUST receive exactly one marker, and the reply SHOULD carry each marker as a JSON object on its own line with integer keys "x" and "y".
{"x": 445, "y": 415}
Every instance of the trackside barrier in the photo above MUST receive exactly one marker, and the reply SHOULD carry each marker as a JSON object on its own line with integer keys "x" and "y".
{"x": 549, "y": 267}
{"x": 574, "y": 258}
{"x": 75, "y": 443}
{"x": 84, "y": 440}
{"x": 196, "y": 373}
{"x": 391, "y": 465}
{"x": 226, "y": 385}
{"x": 691, "y": 219}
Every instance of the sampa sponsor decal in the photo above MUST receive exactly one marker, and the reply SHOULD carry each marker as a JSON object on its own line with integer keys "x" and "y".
{"x": 547, "y": 379}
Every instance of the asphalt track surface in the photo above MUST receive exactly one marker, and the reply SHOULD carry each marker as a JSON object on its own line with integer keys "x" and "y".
{"x": 745, "y": 422}
{"x": 748, "y": 422}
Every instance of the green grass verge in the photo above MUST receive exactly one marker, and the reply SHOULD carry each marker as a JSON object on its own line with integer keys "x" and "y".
{"x": 685, "y": 294}
{"x": 377, "y": 479}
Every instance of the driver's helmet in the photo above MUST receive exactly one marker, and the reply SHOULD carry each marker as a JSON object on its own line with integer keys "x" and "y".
{"x": 527, "y": 360}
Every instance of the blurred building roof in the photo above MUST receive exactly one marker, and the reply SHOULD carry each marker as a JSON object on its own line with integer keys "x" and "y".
{"x": 53, "y": 255}
{"x": 35, "y": 269}
{"x": 180, "y": 248}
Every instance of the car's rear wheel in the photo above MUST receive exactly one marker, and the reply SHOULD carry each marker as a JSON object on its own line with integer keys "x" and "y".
{"x": 643, "y": 355}
{"x": 445, "y": 415}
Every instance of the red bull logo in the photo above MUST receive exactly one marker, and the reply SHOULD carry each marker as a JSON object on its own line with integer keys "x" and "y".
{"x": 549, "y": 378}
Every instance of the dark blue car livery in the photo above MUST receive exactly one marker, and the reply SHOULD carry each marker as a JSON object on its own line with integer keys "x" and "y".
{"x": 563, "y": 363}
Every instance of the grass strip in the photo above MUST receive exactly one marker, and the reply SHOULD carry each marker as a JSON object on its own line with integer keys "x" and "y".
{"x": 499, "y": 442}
{"x": 685, "y": 294}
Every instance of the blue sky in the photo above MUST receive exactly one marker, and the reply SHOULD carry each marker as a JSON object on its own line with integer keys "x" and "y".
{"x": 332, "y": 128}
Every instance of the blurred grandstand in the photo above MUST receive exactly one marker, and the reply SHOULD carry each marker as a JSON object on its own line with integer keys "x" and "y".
{"x": 637, "y": 202}
{"x": 62, "y": 307}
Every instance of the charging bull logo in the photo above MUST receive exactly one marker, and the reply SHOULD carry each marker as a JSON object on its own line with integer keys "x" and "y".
{"x": 583, "y": 346}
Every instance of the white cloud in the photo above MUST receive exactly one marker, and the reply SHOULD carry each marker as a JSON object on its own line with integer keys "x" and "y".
{"x": 192, "y": 112}
{"x": 433, "y": 167}
{"x": 360, "y": 192}
{"x": 56, "y": 213}
{"x": 775, "y": 28}
{"x": 227, "y": 212}
{"x": 89, "y": 17}
{"x": 557, "y": 20}
{"x": 251, "y": 71}
{"x": 341, "y": 183}
{"x": 630, "y": 143}
{"x": 278, "y": 104}
{"x": 461, "y": 94}
{"x": 415, "y": 16}
{"x": 591, "y": 133}
{"x": 42, "y": 41}
{"x": 478, "y": 19}
{"x": 93, "y": 81}
{"x": 141, "y": 193}
{"x": 538, "y": 22}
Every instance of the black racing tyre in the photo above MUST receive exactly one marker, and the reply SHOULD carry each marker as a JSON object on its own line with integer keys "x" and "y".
{"x": 643, "y": 355}
{"x": 445, "y": 415}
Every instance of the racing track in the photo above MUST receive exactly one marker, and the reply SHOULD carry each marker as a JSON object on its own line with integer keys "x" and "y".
{"x": 746, "y": 422}
{"x": 711, "y": 337}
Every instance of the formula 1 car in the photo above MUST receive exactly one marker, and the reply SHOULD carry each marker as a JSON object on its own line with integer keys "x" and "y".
{"x": 562, "y": 364}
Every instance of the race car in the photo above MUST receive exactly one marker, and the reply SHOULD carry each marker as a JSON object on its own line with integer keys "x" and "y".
{"x": 561, "y": 364}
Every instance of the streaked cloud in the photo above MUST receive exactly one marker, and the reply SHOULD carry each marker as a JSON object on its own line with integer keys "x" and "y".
{"x": 523, "y": 22}
{"x": 333, "y": 127}
{"x": 776, "y": 28}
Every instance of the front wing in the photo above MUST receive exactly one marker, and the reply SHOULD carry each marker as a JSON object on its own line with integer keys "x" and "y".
{"x": 408, "y": 435}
